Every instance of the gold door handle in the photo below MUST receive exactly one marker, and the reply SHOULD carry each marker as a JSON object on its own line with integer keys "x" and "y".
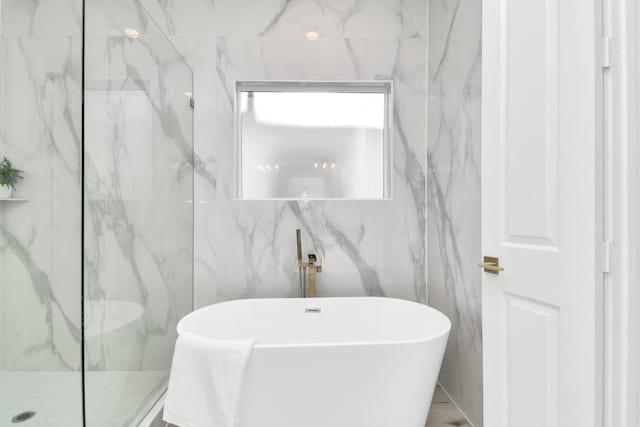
{"x": 491, "y": 265}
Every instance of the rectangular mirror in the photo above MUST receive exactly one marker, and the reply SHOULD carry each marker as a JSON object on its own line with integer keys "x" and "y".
{"x": 313, "y": 140}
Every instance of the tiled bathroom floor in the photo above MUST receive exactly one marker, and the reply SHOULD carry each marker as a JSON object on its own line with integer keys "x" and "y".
{"x": 444, "y": 413}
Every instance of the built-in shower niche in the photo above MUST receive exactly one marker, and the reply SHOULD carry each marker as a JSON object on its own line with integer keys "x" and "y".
{"x": 313, "y": 140}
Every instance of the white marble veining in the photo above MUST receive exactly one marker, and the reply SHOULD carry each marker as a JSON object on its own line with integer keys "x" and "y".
{"x": 246, "y": 248}
{"x": 453, "y": 203}
{"x": 40, "y": 245}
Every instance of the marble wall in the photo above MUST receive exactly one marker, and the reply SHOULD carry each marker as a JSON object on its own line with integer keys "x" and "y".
{"x": 40, "y": 127}
{"x": 453, "y": 202}
{"x": 247, "y": 248}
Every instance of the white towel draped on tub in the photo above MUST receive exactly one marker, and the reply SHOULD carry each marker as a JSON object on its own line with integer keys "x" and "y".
{"x": 206, "y": 381}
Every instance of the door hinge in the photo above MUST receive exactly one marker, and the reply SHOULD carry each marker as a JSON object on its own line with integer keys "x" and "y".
{"x": 604, "y": 257}
{"x": 606, "y": 52}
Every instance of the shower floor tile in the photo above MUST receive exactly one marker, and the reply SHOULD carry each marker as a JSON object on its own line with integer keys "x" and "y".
{"x": 114, "y": 398}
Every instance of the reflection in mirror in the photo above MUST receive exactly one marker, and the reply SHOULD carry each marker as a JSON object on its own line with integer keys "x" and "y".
{"x": 313, "y": 140}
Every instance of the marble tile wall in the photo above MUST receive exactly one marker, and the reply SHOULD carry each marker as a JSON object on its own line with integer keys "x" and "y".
{"x": 247, "y": 248}
{"x": 40, "y": 243}
{"x": 453, "y": 202}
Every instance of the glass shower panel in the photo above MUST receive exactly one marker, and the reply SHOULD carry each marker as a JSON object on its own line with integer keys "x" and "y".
{"x": 138, "y": 215}
{"x": 40, "y": 236}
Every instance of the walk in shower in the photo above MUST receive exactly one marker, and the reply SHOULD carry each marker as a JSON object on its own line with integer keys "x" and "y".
{"x": 96, "y": 245}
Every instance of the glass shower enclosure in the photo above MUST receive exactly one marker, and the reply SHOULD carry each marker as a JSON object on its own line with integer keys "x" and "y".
{"x": 96, "y": 243}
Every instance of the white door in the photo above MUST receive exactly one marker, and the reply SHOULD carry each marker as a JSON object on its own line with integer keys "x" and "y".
{"x": 541, "y": 120}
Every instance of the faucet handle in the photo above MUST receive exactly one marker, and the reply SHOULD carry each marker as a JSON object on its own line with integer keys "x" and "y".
{"x": 313, "y": 259}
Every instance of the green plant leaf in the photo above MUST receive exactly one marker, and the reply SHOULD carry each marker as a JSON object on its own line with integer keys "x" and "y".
{"x": 9, "y": 176}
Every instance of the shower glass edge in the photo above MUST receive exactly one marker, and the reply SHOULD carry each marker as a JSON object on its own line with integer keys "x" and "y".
{"x": 138, "y": 209}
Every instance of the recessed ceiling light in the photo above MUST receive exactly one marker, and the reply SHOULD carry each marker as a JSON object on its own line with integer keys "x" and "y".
{"x": 134, "y": 34}
{"x": 312, "y": 35}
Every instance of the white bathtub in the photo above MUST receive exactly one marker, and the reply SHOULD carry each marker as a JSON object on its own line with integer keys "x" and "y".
{"x": 332, "y": 362}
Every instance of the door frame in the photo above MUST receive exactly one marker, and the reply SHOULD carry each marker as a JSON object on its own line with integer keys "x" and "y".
{"x": 622, "y": 209}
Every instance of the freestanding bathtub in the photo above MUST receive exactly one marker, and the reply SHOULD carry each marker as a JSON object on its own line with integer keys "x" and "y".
{"x": 332, "y": 362}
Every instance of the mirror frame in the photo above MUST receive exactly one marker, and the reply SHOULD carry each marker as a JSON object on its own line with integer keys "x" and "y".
{"x": 333, "y": 86}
